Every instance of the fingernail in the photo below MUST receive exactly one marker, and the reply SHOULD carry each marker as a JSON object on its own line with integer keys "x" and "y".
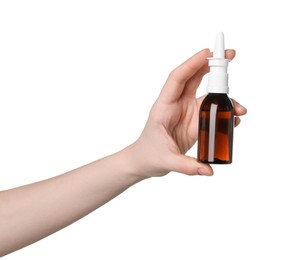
{"x": 241, "y": 106}
{"x": 204, "y": 171}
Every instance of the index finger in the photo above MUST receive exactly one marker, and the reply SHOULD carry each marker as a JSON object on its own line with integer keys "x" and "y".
{"x": 177, "y": 79}
{"x": 238, "y": 108}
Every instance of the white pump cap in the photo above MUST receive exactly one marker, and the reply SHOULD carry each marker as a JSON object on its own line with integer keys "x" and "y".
{"x": 218, "y": 77}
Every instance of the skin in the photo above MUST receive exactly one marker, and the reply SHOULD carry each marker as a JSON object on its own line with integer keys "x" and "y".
{"x": 32, "y": 212}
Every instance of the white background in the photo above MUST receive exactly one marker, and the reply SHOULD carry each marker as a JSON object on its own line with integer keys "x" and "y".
{"x": 77, "y": 81}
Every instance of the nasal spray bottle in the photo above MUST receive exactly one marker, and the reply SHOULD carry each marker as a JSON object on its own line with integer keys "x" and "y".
{"x": 216, "y": 115}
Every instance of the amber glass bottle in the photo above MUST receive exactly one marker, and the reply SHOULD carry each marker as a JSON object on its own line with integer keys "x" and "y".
{"x": 216, "y": 115}
{"x": 215, "y": 131}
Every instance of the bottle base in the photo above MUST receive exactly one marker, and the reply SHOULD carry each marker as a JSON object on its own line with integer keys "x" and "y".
{"x": 216, "y": 161}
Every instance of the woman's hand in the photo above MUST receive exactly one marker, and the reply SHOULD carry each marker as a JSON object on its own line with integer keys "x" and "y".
{"x": 32, "y": 212}
{"x": 172, "y": 126}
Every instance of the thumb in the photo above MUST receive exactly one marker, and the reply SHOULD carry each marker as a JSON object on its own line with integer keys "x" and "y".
{"x": 190, "y": 166}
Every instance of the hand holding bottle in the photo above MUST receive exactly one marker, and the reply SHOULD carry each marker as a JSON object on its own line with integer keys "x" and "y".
{"x": 172, "y": 127}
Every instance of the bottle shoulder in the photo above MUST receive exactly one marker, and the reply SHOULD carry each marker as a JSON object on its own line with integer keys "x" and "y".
{"x": 222, "y": 101}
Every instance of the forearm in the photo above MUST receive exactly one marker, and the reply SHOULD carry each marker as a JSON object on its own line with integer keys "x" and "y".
{"x": 34, "y": 211}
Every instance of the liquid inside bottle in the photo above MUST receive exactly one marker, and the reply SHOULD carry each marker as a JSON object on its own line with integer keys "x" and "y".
{"x": 216, "y": 122}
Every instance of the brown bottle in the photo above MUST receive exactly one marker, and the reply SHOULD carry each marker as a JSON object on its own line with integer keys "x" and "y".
{"x": 216, "y": 116}
{"x": 215, "y": 132}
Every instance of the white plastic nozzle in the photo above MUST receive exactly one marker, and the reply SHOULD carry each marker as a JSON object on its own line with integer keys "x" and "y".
{"x": 218, "y": 77}
{"x": 219, "y": 46}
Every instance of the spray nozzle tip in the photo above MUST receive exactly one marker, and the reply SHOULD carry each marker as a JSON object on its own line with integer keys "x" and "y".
{"x": 219, "y": 50}
{"x": 218, "y": 77}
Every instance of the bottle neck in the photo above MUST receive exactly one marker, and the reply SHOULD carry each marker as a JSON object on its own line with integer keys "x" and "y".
{"x": 216, "y": 94}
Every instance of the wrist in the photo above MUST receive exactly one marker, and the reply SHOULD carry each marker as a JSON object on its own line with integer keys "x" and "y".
{"x": 127, "y": 161}
{"x": 143, "y": 162}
